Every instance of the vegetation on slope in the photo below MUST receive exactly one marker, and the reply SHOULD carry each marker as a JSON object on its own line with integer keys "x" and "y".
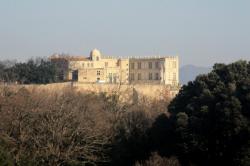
{"x": 72, "y": 128}
{"x": 210, "y": 120}
{"x": 206, "y": 124}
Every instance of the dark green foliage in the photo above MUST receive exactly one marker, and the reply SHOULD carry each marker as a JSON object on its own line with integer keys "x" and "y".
{"x": 5, "y": 159}
{"x": 163, "y": 136}
{"x": 211, "y": 117}
{"x": 34, "y": 71}
{"x": 7, "y": 73}
{"x": 131, "y": 142}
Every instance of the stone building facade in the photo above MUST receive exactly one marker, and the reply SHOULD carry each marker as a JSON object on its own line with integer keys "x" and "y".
{"x": 103, "y": 69}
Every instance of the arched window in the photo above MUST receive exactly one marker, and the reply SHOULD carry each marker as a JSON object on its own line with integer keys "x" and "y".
{"x": 97, "y": 58}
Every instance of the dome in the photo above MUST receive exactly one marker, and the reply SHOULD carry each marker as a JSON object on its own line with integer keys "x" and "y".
{"x": 95, "y": 53}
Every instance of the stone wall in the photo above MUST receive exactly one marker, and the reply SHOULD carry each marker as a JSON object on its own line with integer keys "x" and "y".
{"x": 126, "y": 91}
{"x": 148, "y": 90}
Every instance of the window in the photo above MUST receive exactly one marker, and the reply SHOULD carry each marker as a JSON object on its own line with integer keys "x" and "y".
{"x": 156, "y": 76}
{"x": 98, "y": 72}
{"x": 132, "y": 76}
{"x": 118, "y": 63}
{"x": 97, "y": 58}
{"x": 110, "y": 77}
{"x": 83, "y": 65}
{"x": 92, "y": 64}
{"x": 150, "y": 65}
{"x": 157, "y": 65}
{"x": 174, "y": 81}
{"x": 139, "y": 65}
{"x": 139, "y": 76}
{"x": 114, "y": 77}
{"x": 75, "y": 75}
{"x": 174, "y": 64}
{"x": 132, "y": 65}
{"x": 106, "y": 64}
{"x": 150, "y": 76}
{"x": 174, "y": 76}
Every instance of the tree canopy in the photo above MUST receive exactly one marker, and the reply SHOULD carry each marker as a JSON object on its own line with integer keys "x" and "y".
{"x": 211, "y": 117}
{"x": 33, "y": 71}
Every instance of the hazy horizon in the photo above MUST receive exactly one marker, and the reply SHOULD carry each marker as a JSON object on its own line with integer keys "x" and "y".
{"x": 200, "y": 32}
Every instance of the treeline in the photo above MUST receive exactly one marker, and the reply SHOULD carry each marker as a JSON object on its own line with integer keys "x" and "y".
{"x": 34, "y": 71}
{"x": 208, "y": 123}
{"x": 210, "y": 118}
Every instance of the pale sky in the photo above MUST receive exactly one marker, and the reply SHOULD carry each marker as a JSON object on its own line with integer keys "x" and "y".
{"x": 201, "y": 32}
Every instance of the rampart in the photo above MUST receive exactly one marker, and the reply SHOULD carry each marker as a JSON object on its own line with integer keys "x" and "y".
{"x": 125, "y": 91}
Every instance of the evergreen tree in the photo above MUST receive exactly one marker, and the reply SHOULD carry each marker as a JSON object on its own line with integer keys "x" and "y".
{"x": 211, "y": 117}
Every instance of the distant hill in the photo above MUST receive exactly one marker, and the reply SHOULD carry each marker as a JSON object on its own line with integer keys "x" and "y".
{"x": 189, "y": 72}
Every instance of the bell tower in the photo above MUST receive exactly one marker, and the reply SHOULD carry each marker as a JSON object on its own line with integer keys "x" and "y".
{"x": 95, "y": 55}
